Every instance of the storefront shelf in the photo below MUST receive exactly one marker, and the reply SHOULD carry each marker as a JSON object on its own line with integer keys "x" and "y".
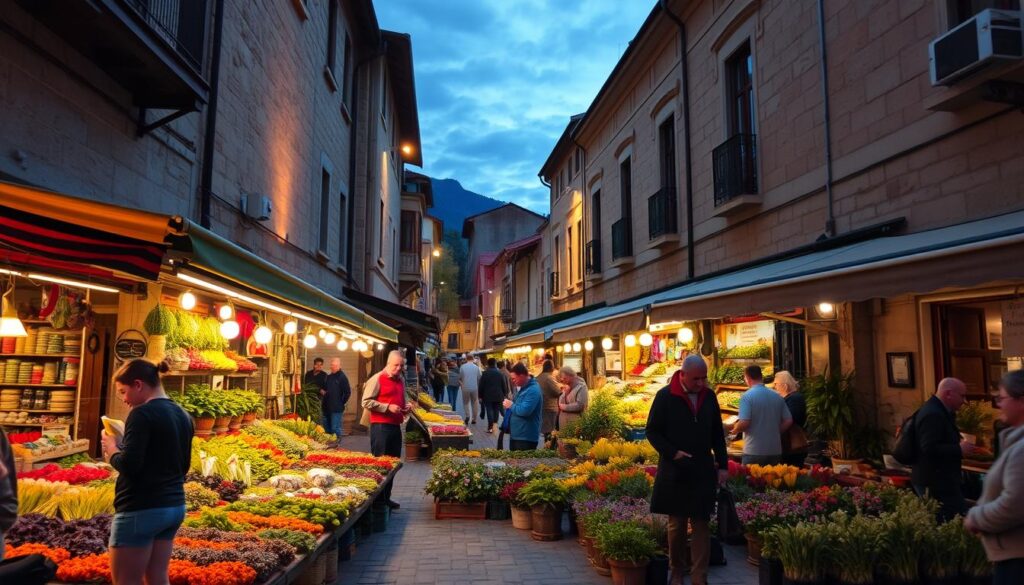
{"x": 229, "y": 373}
{"x": 38, "y": 355}
{"x": 46, "y": 424}
{"x": 36, "y": 411}
{"x": 10, "y": 384}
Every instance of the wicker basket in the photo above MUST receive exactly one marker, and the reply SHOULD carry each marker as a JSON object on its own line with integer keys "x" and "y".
{"x": 315, "y": 573}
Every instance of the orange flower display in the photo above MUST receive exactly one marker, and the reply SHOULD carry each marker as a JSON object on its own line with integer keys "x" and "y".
{"x": 262, "y": 522}
{"x": 83, "y": 569}
{"x": 57, "y": 555}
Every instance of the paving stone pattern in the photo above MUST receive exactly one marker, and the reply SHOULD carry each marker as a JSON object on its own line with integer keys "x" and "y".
{"x": 417, "y": 549}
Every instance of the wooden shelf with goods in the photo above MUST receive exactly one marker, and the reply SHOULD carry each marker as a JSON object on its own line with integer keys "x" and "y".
{"x": 38, "y": 355}
{"x": 17, "y": 385}
{"x": 29, "y": 460}
{"x": 30, "y": 411}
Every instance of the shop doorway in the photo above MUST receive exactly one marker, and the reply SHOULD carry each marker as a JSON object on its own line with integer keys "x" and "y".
{"x": 968, "y": 344}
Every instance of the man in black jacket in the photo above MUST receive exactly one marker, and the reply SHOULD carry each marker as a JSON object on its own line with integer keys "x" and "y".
{"x": 333, "y": 399}
{"x": 8, "y": 489}
{"x": 685, "y": 426}
{"x": 492, "y": 392}
{"x": 940, "y": 451}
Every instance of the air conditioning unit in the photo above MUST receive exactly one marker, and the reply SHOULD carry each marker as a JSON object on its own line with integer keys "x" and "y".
{"x": 255, "y": 206}
{"x": 990, "y": 36}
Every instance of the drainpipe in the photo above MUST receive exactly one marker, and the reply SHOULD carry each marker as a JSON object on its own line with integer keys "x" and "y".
{"x": 685, "y": 75}
{"x": 583, "y": 237}
{"x": 206, "y": 176}
{"x": 830, "y": 222}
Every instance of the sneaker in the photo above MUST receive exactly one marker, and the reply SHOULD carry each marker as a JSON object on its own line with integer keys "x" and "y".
{"x": 393, "y": 505}
{"x": 466, "y": 420}
{"x": 490, "y": 431}
{"x": 474, "y": 421}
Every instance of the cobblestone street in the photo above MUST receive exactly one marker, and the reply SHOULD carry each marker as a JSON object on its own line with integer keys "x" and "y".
{"x": 418, "y": 549}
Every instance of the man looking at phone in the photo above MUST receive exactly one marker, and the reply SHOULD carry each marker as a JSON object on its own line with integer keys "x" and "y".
{"x": 384, "y": 398}
{"x": 685, "y": 426}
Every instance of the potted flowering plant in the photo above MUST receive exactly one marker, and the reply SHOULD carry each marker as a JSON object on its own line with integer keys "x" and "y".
{"x": 546, "y": 497}
{"x": 460, "y": 490}
{"x": 628, "y": 546}
{"x": 413, "y": 445}
{"x": 521, "y": 515}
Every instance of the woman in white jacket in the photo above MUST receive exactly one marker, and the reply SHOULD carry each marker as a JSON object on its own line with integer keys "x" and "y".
{"x": 999, "y": 515}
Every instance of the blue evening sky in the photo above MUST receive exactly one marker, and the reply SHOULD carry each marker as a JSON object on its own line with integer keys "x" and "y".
{"x": 497, "y": 80}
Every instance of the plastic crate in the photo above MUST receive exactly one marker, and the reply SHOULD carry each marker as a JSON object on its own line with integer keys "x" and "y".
{"x": 636, "y": 434}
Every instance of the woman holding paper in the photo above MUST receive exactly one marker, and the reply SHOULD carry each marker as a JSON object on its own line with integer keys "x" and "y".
{"x": 152, "y": 458}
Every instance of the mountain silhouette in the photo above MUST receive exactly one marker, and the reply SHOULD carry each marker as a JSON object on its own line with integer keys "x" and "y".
{"x": 453, "y": 203}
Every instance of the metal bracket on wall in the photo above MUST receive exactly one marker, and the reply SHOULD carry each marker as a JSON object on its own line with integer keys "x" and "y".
{"x": 1003, "y": 92}
{"x": 142, "y": 128}
{"x": 804, "y": 322}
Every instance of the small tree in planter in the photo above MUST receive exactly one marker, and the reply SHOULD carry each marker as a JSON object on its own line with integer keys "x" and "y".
{"x": 413, "y": 445}
{"x": 546, "y": 498}
{"x": 628, "y": 546}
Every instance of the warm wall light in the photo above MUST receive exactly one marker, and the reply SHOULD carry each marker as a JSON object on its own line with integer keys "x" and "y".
{"x": 291, "y": 327}
{"x": 310, "y": 341}
{"x": 588, "y": 345}
{"x": 606, "y": 343}
{"x": 342, "y": 345}
{"x": 685, "y": 335}
{"x": 576, "y": 347}
{"x": 330, "y": 338}
{"x": 10, "y": 324}
{"x": 406, "y": 149}
{"x": 630, "y": 340}
{"x": 187, "y": 300}
{"x": 380, "y": 347}
{"x": 322, "y": 333}
{"x": 646, "y": 339}
{"x": 567, "y": 347}
{"x": 225, "y": 312}
{"x": 826, "y": 309}
{"x": 230, "y": 329}
{"x": 437, "y": 253}
{"x": 263, "y": 335}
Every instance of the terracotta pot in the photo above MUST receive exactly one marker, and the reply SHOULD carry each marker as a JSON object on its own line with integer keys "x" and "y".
{"x": 522, "y": 518}
{"x": 235, "y": 423}
{"x": 468, "y": 511}
{"x": 547, "y": 523}
{"x": 600, "y": 562}
{"x": 566, "y": 451}
{"x": 412, "y": 451}
{"x": 753, "y": 549}
{"x": 628, "y": 572}
{"x": 220, "y": 426}
{"x": 248, "y": 418}
{"x": 203, "y": 425}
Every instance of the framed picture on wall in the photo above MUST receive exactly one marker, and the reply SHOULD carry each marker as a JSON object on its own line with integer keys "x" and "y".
{"x": 900, "y": 368}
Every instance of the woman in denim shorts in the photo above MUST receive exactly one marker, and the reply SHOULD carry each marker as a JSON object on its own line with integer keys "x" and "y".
{"x": 152, "y": 459}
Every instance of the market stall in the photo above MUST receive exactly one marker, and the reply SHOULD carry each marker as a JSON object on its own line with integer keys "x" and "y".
{"x": 441, "y": 427}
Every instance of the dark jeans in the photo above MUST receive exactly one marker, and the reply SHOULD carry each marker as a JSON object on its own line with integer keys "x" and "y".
{"x": 794, "y": 459}
{"x": 453, "y": 395}
{"x": 386, "y": 439}
{"x": 438, "y": 392}
{"x": 517, "y": 445}
{"x": 492, "y": 409}
{"x": 1009, "y": 572}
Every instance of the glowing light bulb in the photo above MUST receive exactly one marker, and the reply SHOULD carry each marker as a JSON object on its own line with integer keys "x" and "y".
{"x": 685, "y": 335}
{"x": 380, "y": 347}
{"x": 225, "y": 312}
{"x": 230, "y": 329}
{"x": 630, "y": 340}
{"x": 309, "y": 341}
{"x": 291, "y": 327}
{"x": 577, "y": 347}
{"x": 187, "y": 300}
{"x": 606, "y": 343}
{"x": 263, "y": 334}
{"x": 826, "y": 309}
{"x": 567, "y": 347}
{"x": 330, "y": 338}
{"x": 588, "y": 345}
{"x": 646, "y": 339}
{"x": 342, "y": 345}
{"x": 322, "y": 333}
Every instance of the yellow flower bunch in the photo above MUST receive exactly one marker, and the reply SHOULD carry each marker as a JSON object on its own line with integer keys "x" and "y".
{"x": 430, "y": 417}
{"x": 584, "y": 469}
{"x": 426, "y": 400}
{"x": 470, "y": 454}
{"x": 605, "y": 450}
{"x": 574, "y": 482}
{"x": 775, "y": 476}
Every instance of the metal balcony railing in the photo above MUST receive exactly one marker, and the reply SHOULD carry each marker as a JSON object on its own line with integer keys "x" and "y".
{"x": 409, "y": 264}
{"x": 622, "y": 238}
{"x": 182, "y": 23}
{"x": 506, "y": 316}
{"x": 735, "y": 165}
{"x": 661, "y": 213}
{"x": 592, "y": 259}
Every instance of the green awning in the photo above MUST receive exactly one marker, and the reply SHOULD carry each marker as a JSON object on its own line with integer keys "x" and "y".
{"x": 216, "y": 255}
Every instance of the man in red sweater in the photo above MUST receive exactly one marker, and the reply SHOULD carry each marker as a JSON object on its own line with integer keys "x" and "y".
{"x": 384, "y": 398}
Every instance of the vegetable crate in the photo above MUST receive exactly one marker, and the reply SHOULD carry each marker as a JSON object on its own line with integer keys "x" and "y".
{"x": 470, "y": 511}
{"x": 635, "y": 434}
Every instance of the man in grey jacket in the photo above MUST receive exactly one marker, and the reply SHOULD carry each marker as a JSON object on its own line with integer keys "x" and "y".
{"x": 8, "y": 489}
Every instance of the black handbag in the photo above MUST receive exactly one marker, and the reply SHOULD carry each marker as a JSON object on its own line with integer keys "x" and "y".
{"x": 27, "y": 570}
{"x": 730, "y": 530}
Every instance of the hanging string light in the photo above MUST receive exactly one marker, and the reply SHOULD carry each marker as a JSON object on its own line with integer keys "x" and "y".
{"x": 310, "y": 341}
{"x": 187, "y": 300}
{"x": 290, "y": 327}
{"x": 606, "y": 343}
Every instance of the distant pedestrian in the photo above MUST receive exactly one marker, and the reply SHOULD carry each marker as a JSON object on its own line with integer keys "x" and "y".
{"x": 438, "y": 379}
{"x": 526, "y": 409}
{"x": 999, "y": 515}
{"x": 574, "y": 399}
{"x": 316, "y": 375}
{"x": 685, "y": 427}
{"x": 492, "y": 392}
{"x": 763, "y": 418}
{"x": 470, "y": 373}
{"x": 454, "y": 383}
{"x": 551, "y": 393}
{"x": 384, "y": 399}
{"x": 937, "y": 472}
{"x": 333, "y": 399}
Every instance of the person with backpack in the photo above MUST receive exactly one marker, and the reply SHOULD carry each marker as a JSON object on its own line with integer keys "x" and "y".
{"x": 938, "y": 450}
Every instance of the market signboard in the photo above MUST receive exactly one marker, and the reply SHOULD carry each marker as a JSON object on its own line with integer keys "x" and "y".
{"x": 1013, "y": 328}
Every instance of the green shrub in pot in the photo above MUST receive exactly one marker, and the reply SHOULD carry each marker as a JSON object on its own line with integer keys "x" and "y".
{"x": 854, "y": 544}
{"x": 942, "y": 550}
{"x": 546, "y": 492}
{"x": 804, "y": 550}
{"x": 414, "y": 437}
{"x": 628, "y": 541}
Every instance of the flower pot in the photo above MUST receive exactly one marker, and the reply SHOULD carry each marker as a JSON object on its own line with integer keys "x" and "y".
{"x": 657, "y": 570}
{"x": 235, "y": 423}
{"x": 469, "y": 511}
{"x": 546, "y": 523}
{"x": 248, "y": 418}
{"x": 628, "y": 572}
{"x": 769, "y": 572}
{"x": 566, "y": 451}
{"x": 600, "y": 563}
{"x": 220, "y": 425}
{"x": 412, "y": 451}
{"x": 498, "y": 510}
{"x": 156, "y": 348}
{"x": 753, "y": 549}
{"x": 522, "y": 518}
{"x": 331, "y": 565}
{"x": 203, "y": 426}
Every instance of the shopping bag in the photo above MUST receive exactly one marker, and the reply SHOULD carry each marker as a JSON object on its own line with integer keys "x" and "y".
{"x": 730, "y": 530}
